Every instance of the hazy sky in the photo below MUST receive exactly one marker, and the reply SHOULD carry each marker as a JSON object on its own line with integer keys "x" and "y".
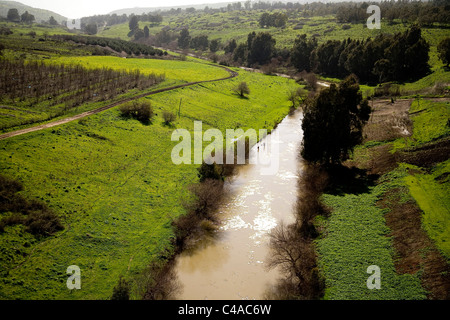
{"x": 82, "y": 8}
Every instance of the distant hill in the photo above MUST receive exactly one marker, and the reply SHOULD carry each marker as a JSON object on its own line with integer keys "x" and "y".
{"x": 141, "y": 10}
{"x": 39, "y": 14}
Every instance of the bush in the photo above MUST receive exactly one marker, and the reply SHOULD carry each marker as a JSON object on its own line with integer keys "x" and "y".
{"x": 43, "y": 223}
{"x": 122, "y": 290}
{"x": 158, "y": 282}
{"x": 242, "y": 89}
{"x": 168, "y": 117}
{"x": 139, "y": 110}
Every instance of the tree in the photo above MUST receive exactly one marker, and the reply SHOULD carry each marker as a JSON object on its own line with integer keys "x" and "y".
{"x": 26, "y": 17}
{"x": 301, "y": 52}
{"x": 13, "y": 15}
{"x": 134, "y": 23}
{"x": 146, "y": 32}
{"x": 214, "y": 45}
{"x": 199, "y": 42}
{"x": 139, "y": 34}
{"x": 297, "y": 97}
{"x": 240, "y": 52}
{"x": 261, "y": 48}
{"x": 444, "y": 51}
{"x": 295, "y": 257}
{"x": 242, "y": 89}
{"x": 184, "y": 39}
{"x": 52, "y": 21}
{"x": 91, "y": 28}
{"x": 333, "y": 123}
{"x": 231, "y": 46}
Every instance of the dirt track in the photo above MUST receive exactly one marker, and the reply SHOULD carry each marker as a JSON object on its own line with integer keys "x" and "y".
{"x": 98, "y": 110}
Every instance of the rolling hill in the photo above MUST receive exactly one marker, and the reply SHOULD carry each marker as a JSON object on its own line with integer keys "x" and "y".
{"x": 39, "y": 14}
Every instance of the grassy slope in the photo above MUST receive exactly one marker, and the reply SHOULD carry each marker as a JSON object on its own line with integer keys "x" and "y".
{"x": 39, "y": 14}
{"x": 237, "y": 25}
{"x": 173, "y": 69}
{"x": 431, "y": 189}
{"x": 115, "y": 185}
{"x": 175, "y": 72}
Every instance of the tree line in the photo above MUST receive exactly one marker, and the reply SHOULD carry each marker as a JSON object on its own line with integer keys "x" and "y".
{"x": 425, "y": 13}
{"x": 115, "y": 44}
{"x": 14, "y": 16}
{"x": 398, "y": 57}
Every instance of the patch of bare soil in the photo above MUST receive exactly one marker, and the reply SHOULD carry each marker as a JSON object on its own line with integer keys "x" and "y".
{"x": 426, "y": 156}
{"x": 415, "y": 251}
{"x": 388, "y": 120}
{"x": 378, "y": 161}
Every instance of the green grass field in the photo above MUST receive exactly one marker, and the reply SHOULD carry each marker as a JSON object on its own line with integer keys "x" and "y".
{"x": 19, "y": 114}
{"x": 356, "y": 237}
{"x": 430, "y": 190}
{"x": 174, "y": 70}
{"x": 113, "y": 182}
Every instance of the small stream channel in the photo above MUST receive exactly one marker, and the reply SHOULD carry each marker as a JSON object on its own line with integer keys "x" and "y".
{"x": 232, "y": 265}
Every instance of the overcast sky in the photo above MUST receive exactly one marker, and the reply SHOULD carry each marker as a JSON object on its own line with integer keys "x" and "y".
{"x": 82, "y": 8}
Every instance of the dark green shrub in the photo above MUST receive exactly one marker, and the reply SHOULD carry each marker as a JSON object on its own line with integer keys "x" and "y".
{"x": 139, "y": 110}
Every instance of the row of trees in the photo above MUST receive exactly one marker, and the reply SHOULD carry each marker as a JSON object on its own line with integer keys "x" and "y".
{"x": 398, "y": 57}
{"x": 70, "y": 86}
{"x": 277, "y": 19}
{"x": 200, "y": 42}
{"x": 115, "y": 44}
{"x": 14, "y": 16}
{"x": 426, "y": 12}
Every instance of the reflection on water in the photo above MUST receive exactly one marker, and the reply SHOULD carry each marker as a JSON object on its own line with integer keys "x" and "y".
{"x": 232, "y": 265}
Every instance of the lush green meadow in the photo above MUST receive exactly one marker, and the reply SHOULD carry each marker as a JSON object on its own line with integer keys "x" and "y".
{"x": 175, "y": 71}
{"x": 113, "y": 182}
{"x": 24, "y": 112}
{"x": 356, "y": 238}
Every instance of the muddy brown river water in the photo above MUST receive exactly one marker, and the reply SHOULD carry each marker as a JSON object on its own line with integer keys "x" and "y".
{"x": 232, "y": 265}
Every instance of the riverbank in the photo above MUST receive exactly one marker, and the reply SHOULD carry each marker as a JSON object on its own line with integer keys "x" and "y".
{"x": 232, "y": 263}
{"x": 115, "y": 187}
{"x": 377, "y": 216}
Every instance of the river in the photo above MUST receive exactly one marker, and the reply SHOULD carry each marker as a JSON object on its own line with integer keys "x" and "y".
{"x": 232, "y": 265}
